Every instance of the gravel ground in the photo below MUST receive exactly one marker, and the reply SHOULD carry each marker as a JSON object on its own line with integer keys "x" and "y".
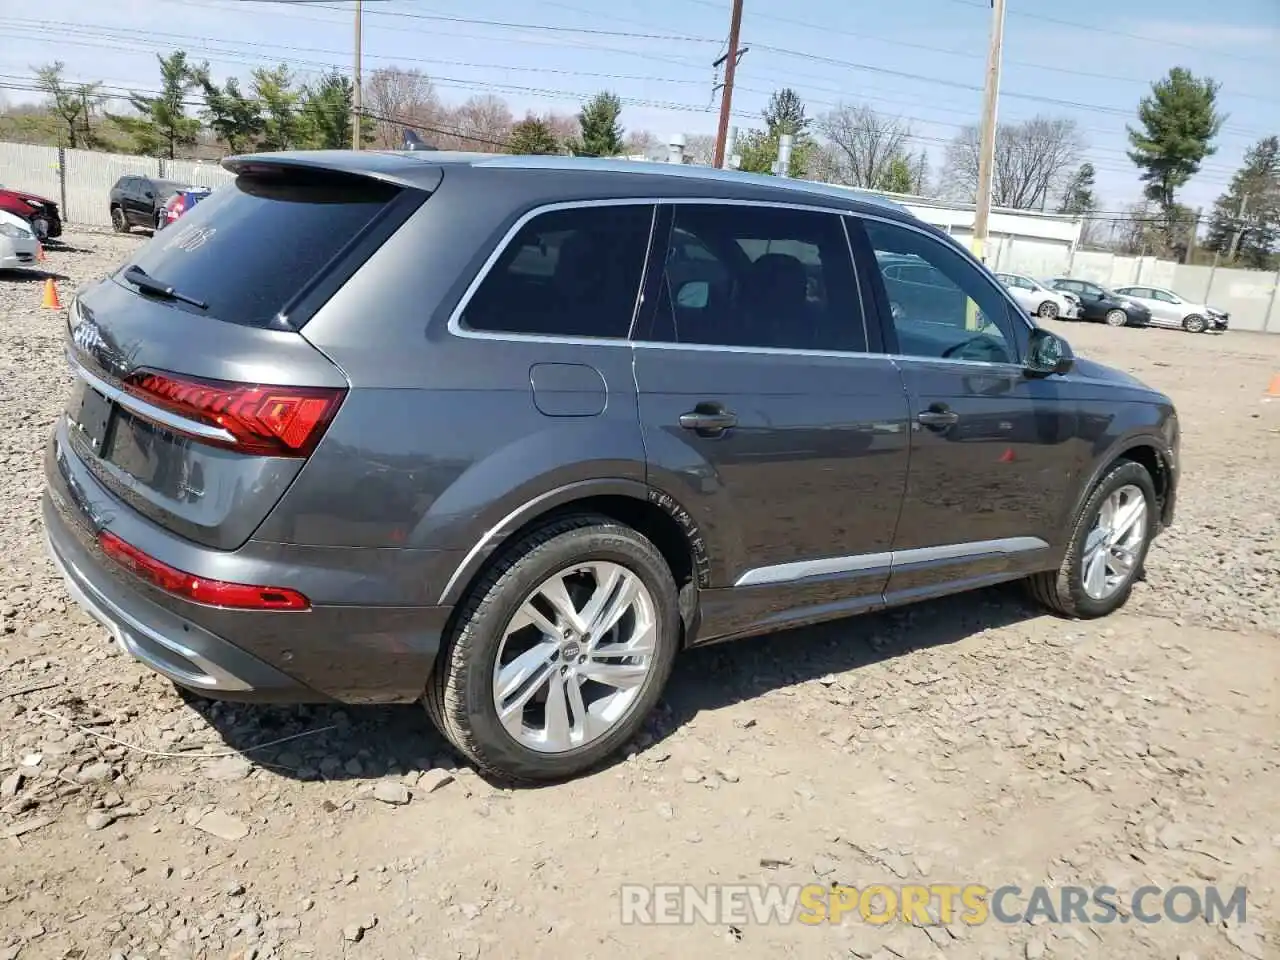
{"x": 971, "y": 741}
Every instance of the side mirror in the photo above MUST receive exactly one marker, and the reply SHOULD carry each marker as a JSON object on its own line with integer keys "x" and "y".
{"x": 1047, "y": 354}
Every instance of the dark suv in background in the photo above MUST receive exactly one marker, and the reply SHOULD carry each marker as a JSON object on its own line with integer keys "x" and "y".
{"x": 140, "y": 202}
{"x": 1099, "y": 303}
{"x": 505, "y": 434}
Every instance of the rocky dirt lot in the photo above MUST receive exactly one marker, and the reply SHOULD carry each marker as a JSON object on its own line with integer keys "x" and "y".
{"x": 971, "y": 741}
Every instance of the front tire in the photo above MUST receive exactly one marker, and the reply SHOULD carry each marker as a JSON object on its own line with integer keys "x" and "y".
{"x": 119, "y": 223}
{"x": 1047, "y": 310}
{"x": 1108, "y": 548}
{"x": 559, "y": 652}
{"x": 1193, "y": 324}
{"x": 1116, "y": 318}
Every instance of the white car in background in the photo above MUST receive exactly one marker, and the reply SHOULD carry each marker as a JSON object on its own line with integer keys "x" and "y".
{"x": 1170, "y": 310}
{"x": 18, "y": 245}
{"x": 1039, "y": 300}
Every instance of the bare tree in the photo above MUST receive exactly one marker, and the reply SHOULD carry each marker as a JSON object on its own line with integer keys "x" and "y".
{"x": 641, "y": 141}
{"x": 1033, "y": 159}
{"x": 398, "y": 98}
{"x": 563, "y": 125}
{"x": 865, "y": 144}
{"x": 482, "y": 123}
{"x": 700, "y": 148}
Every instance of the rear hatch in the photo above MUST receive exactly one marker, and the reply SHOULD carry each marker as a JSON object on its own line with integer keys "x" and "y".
{"x": 197, "y": 399}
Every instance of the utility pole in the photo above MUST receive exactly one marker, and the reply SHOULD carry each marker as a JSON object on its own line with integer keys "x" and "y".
{"x": 986, "y": 159}
{"x": 1191, "y": 240}
{"x": 356, "y": 107}
{"x": 730, "y": 60}
{"x": 1235, "y": 237}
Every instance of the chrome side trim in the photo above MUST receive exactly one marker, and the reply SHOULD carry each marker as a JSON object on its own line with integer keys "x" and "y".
{"x": 867, "y": 562}
{"x": 803, "y": 569}
{"x": 123, "y": 627}
{"x": 147, "y": 410}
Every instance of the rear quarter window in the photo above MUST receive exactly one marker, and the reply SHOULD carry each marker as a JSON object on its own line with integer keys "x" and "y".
{"x": 253, "y": 245}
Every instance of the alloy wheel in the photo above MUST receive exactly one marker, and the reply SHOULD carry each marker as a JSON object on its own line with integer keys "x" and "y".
{"x": 1116, "y": 318}
{"x": 1048, "y": 310}
{"x": 1114, "y": 542}
{"x": 574, "y": 657}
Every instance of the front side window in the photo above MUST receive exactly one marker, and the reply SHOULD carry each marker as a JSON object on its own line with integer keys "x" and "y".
{"x": 1164, "y": 297}
{"x": 942, "y": 306}
{"x": 567, "y": 273}
{"x": 758, "y": 276}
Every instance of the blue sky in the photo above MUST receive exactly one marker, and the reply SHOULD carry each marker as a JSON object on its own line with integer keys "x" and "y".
{"x": 918, "y": 59}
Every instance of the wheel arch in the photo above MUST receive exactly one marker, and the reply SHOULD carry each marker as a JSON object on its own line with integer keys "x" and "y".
{"x": 652, "y": 512}
{"x": 1150, "y": 453}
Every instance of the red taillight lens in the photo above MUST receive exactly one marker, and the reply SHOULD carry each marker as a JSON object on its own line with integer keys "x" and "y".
{"x": 215, "y": 593}
{"x": 267, "y": 420}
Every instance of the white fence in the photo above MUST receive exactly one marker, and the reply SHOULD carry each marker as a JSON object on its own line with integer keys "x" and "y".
{"x": 81, "y": 180}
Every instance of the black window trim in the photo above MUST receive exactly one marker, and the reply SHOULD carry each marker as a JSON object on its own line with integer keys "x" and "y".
{"x": 663, "y": 221}
{"x": 643, "y": 323}
{"x": 457, "y": 328}
{"x": 1021, "y": 323}
{"x": 873, "y": 319}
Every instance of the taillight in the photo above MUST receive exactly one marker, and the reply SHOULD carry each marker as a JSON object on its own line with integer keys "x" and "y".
{"x": 216, "y": 593}
{"x": 267, "y": 420}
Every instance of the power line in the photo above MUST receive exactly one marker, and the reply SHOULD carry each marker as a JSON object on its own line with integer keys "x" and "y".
{"x": 146, "y": 36}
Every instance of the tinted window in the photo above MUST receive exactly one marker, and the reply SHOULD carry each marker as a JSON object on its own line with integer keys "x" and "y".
{"x": 252, "y": 245}
{"x": 941, "y": 304}
{"x": 569, "y": 273}
{"x": 757, "y": 276}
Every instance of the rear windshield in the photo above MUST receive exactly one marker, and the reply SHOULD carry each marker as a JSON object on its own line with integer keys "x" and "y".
{"x": 251, "y": 246}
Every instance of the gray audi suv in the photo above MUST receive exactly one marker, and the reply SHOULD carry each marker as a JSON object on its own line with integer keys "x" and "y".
{"x": 505, "y": 434}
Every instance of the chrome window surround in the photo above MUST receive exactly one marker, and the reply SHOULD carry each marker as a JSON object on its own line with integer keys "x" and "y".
{"x": 456, "y": 328}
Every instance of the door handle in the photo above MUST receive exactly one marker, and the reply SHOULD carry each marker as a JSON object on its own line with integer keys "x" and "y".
{"x": 708, "y": 419}
{"x": 937, "y": 419}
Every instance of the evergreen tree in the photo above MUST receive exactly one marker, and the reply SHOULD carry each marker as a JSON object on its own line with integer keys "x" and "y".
{"x": 162, "y": 124}
{"x": 532, "y": 136}
{"x": 1078, "y": 198}
{"x": 759, "y": 148}
{"x": 1255, "y": 188}
{"x": 326, "y": 114}
{"x": 232, "y": 115}
{"x": 601, "y": 134}
{"x": 1179, "y": 123}
{"x": 282, "y": 127}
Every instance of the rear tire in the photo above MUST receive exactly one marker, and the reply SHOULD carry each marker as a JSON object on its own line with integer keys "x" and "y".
{"x": 1193, "y": 324}
{"x": 1064, "y": 590}
{"x": 462, "y": 696}
{"x": 1047, "y": 310}
{"x": 119, "y": 223}
{"x": 1116, "y": 318}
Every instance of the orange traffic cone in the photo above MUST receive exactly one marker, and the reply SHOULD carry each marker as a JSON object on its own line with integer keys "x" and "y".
{"x": 1274, "y": 389}
{"x": 51, "y": 301}
{"x": 40, "y": 257}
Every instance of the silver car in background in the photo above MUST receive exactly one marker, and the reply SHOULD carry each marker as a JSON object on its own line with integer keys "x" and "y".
{"x": 1038, "y": 299}
{"x": 1170, "y": 310}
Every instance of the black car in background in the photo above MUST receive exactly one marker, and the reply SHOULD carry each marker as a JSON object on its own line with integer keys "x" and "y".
{"x": 139, "y": 202}
{"x": 1099, "y": 303}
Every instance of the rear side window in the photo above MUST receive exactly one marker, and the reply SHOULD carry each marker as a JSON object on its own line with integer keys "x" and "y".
{"x": 567, "y": 273}
{"x": 763, "y": 277}
{"x": 253, "y": 245}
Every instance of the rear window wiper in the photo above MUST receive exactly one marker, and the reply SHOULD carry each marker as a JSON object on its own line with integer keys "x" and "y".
{"x": 148, "y": 284}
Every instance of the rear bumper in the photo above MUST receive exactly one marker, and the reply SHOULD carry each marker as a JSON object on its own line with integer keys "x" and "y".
{"x": 345, "y": 653}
